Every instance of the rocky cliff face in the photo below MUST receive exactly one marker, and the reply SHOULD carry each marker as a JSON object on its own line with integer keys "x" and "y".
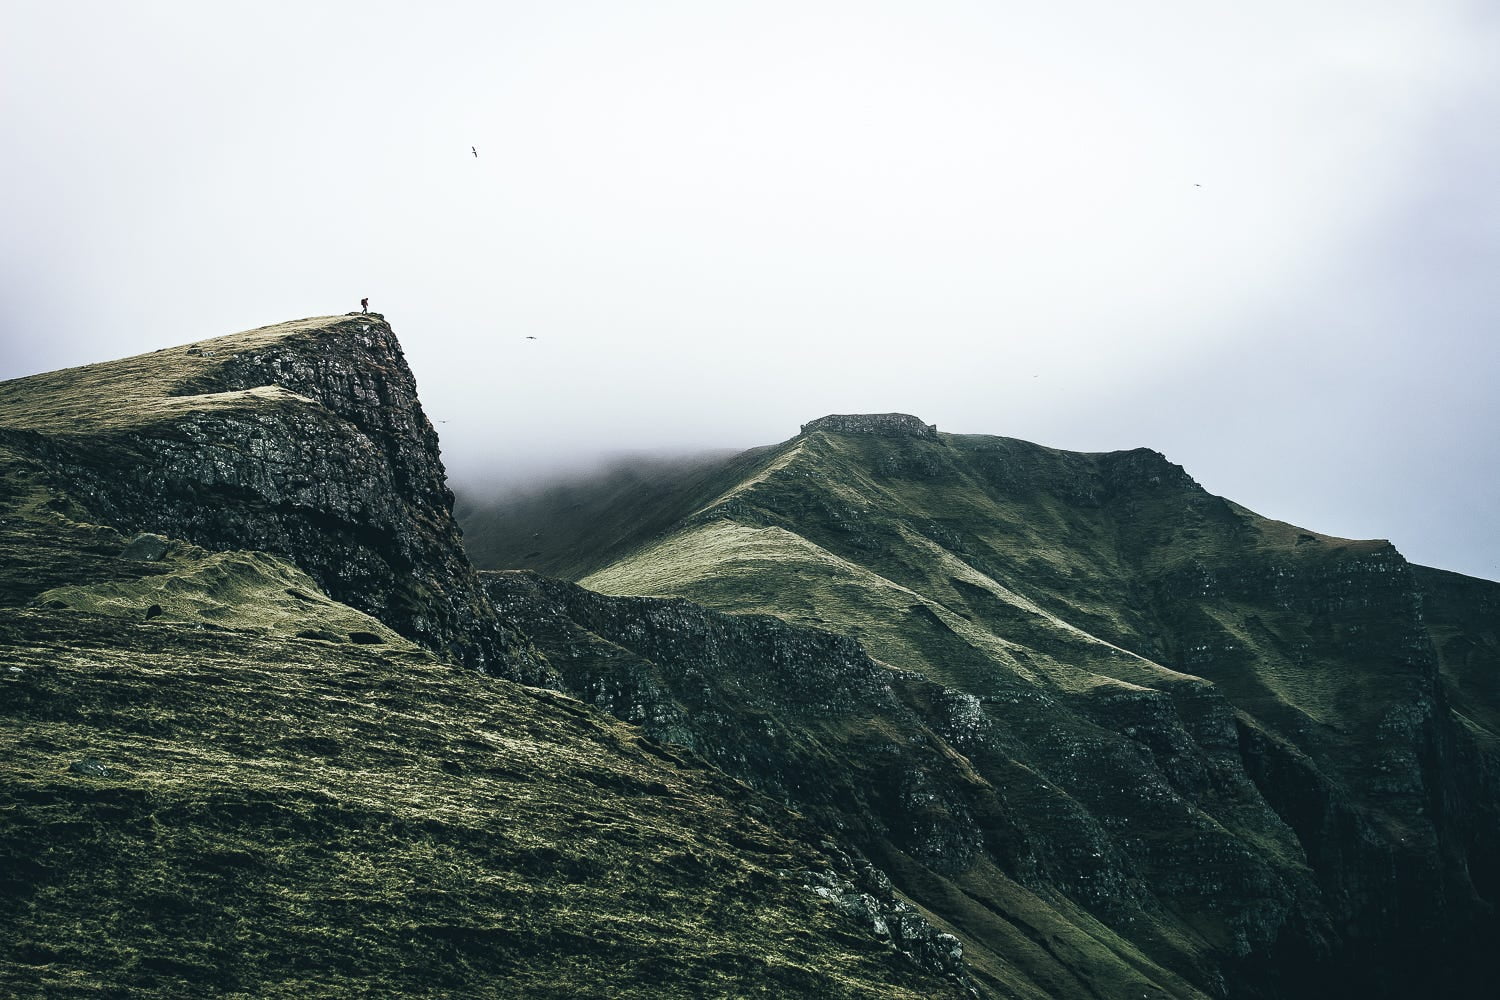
{"x": 306, "y": 440}
{"x": 878, "y": 424}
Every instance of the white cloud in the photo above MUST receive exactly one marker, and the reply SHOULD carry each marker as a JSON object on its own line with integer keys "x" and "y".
{"x": 721, "y": 220}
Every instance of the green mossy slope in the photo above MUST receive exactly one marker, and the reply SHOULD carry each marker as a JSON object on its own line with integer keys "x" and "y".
{"x": 203, "y": 802}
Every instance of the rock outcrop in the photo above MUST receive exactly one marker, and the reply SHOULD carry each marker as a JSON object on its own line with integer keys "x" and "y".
{"x": 877, "y": 424}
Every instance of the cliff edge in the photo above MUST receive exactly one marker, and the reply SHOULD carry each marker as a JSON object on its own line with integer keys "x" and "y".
{"x": 303, "y": 439}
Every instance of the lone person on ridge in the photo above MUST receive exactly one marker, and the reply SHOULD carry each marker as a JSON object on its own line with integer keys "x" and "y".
{"x": 364, "y": 305}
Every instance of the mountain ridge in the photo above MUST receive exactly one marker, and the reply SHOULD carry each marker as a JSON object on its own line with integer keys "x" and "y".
{"x": 1278, "y": 683}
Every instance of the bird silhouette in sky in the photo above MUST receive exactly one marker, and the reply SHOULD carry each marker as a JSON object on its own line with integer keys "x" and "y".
{"x": 530, "y": 337}
{"x": 474, "y": 151}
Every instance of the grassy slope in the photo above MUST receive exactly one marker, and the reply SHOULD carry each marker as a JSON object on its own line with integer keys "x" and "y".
{"x": 815, "y": 536}
{"x": 126, "y": 393}
{"x": 980, "y": 559}
{"x": 278, "y": 818}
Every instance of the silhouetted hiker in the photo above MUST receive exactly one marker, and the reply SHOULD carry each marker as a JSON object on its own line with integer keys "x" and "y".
{"x": 364, "y": 305}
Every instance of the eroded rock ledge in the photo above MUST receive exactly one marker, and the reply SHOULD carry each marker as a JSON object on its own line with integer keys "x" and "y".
{"x": 878, "y": 424}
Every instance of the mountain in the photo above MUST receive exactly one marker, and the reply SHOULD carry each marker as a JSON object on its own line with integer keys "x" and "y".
{"x": 1119, "y": 735}
{"x": 878, "y": 711}
{"x": 262, "y": 731}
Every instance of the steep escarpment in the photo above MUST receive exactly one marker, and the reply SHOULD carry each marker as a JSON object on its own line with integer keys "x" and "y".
{"x": 882, "y": 424}
{"x": 304, "y": 439}
{"x": 1274, "y": 744}
{"x": 1462, "y": 615}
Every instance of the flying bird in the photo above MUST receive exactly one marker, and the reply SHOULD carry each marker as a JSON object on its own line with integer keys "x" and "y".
{"x": 474, "y": 151}
{"x": 530, "y": 337}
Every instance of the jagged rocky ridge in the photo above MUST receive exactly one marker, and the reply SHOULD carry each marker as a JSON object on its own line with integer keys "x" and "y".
{"x": 881, "y": 424}
{"x": 1264, "y": 759}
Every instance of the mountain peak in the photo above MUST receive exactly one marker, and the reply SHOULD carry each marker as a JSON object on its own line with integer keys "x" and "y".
{"x": 303, "y": 439}
{"x": 878, "y": 424}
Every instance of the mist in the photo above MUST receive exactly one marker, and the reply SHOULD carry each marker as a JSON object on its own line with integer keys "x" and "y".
{"x": 1260, "y": 240}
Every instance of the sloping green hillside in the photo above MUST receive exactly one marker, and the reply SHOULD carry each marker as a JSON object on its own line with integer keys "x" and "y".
{"x": 1251, "y": 716}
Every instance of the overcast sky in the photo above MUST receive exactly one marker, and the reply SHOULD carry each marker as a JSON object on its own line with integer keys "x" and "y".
{"x": 1263, "y": 239}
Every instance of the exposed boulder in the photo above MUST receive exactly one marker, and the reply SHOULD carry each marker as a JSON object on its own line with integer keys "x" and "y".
{"x": 145, "y": 547}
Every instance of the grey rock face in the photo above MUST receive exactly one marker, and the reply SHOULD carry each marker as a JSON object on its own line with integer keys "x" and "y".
{"x": 93, "y": 767}
{"x": 876, "y": 908}
{"x": 879, "y": 424}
